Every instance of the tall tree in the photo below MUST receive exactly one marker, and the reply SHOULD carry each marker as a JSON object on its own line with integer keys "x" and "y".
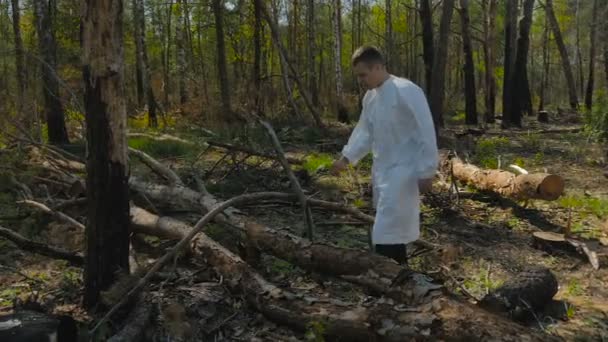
{"x": 579, "y": 54}
{"x": 257, "y": 54}
{"x": 107, "y": 169}
{"x": 310, "y": 28}
{"x": 388, "y": 36}
{"x": 426, "y": 18}
{"x": 44, "y": 12}
{"x": 439, "y": 63}
{"x": 181, "y": 45}
{"x": 489, "y": 28}
{"x": 469, "y": 66}
{"x": 509, "y": 59}
{"x": 19, "y": 62}
{"x": 563, "y": 52}
{"x": 544, "y": 82}
{"x": 593, "y": 41}
{"x": 218, "y": 13}
{"x": 167, "y": 55}
{"x": 520, "y": 89}
{"x": 342, "y": 113}
{"x": 144, "y": 86}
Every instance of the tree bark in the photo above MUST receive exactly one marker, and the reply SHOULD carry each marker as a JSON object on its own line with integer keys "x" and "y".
{"x": 592, "y": 49}
{"x": 167, "y": 56}
{"x": 257, "y": 55}
{"x": 218, "y": 13}
{"x": 439, "y": 65}
{"x": 20, "y": 65}
{"x": 342, "y": 113}
{"x": 544, "y": 83}
{"x": 489, "y": 26}
{"x": 44, "y": 11}
{"x": 388, "y": 35}
{"x": 469, "y": 66}
{"x": 509, "y": 61}
{"x": 25, "y": 244}
{"x": 520, "y": 89}
{"x": 557, "y": 34}
{"x": 181, "y": 39}
{"x": 141, "y": 58}
{"x": 107, "y": 168}
{"x": 310, "y": 28}
{"x": 426, "y": 18}
{"x": 525, "y": 186}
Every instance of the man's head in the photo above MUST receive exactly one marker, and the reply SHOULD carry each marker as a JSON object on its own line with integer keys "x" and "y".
{"x": 369, "y": 66}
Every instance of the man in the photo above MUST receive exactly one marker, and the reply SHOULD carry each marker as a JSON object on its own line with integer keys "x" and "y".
{"x": 397, "y": 128}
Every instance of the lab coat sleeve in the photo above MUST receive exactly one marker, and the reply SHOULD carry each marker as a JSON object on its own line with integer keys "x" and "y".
{"x": 428, "y": 162}
{"x": 359, "y": 143}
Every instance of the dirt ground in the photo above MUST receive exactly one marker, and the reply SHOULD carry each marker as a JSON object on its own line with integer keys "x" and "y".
{"x": 484, "y": 240}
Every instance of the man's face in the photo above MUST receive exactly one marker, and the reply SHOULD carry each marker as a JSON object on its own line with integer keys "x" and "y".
{"x": 367, "y": 74}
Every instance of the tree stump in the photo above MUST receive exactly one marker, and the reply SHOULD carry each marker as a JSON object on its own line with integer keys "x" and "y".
{"x": 33, "y": 326}
{"x": 529, "y": 290}
{"x": 543, "y": 116}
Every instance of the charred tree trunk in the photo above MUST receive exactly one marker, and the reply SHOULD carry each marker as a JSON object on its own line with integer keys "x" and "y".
{"x": 439, "y": 64}
{"x": 44, "y": 11}
{"x": 342, "y": 113}
{"x": 509, "y": 62}
{"x": 222, "y": 71}
{"x": 257, "y": 55}
{"x": 544, "y": 83}
{"x": 312, "y": 80}
{"x": 520, "y": 89}
{"x": 557, "y": 34}
{"x": 591, "y": 78}
{"x": 20, "y": 64}
{"x": 426, "y": 18}
{"x": 469, "y": 66}
{"x": 490, "y": 8}
{"x": 141, "y": 57}
{"x": 107, "y": 169}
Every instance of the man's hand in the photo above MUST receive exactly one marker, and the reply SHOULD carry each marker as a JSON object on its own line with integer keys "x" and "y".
{"x": 425, "y": 185}
{"x": 338, "y": 166}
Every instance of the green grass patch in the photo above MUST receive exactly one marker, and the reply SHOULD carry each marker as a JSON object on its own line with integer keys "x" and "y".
{"x": 162, "y": 149}
{"x": 318, "y": 161}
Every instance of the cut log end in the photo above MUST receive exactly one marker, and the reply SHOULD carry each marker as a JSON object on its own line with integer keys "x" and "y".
{"x": 551, "y": 187}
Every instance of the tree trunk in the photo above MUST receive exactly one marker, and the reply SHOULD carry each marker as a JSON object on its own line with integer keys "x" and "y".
{"x": 426, "y": 18}
{"x": 591, "y": 78}
{"x": 524, "y": 186}
{"x": 222, "y": 72}
{"x": 544, "y": 82}
{"x": 469, "y": 66}
{"x": 509, "y": 61}
{"x": 20, "y": 66}
{"x": 557, "y": 34}
{"x": 342, "y": 113}
{"x": 44, "y": 11}
{"x": 579, "y": 54}
{"x": 107, "y": 169}
{"x": 257, "y": 55}
{"x": 439, "y": 65}
{"x": 520, "y": 88}
{"x": 167, "y": 56}
{"x": 388, "y": 35}
{"x": 137, "y": 35}
{"x": 489, "y": 27}
{"x": 310, "y": 27}
{"x": 181, "y": 42}
{"x": 141, "y": 58}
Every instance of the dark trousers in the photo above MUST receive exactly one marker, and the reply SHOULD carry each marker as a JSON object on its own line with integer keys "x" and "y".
{"x": 396, "y": 252}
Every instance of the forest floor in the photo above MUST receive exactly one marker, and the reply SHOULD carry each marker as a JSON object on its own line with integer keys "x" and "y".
{"x": 484, "y": 239}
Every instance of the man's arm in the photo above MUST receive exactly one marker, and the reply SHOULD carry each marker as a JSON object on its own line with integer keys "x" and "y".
{"x": 359, "y": 143}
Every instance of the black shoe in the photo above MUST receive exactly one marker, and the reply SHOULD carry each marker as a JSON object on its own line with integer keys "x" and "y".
{"x": 396, "y": 252}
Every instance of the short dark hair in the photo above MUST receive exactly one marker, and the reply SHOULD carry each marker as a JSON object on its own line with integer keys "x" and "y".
{"x": 368, "y": 54}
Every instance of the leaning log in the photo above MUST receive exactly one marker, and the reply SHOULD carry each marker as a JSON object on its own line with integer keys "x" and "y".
{"x": 543, "y": 186}
{"x": 455, "y": 318}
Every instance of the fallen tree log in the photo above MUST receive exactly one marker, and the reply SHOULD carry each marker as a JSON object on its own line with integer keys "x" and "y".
{"x": 457, "y": 319}
{"x": 543, "y": 186}
{"x": 25, "y": 244}
{"x": 136, "y": 324}
{"x": 250, "y": 151}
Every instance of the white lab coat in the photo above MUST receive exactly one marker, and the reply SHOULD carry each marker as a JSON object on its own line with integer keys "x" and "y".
{"x": 397, "y": 127}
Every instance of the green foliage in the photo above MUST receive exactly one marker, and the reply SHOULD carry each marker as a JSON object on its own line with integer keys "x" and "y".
{"x": 315, "y": 331}
{"x": 281, "y": 267}
{"x": 317, "y": 161}
{"x": 457, "y": 118}
{"x": 586, "y": 205}
{"x": 532, "y": 140}
{"x": 574, "y": 288}
{"x": 488, "y": 150}
{"x": 161, "y": 149}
